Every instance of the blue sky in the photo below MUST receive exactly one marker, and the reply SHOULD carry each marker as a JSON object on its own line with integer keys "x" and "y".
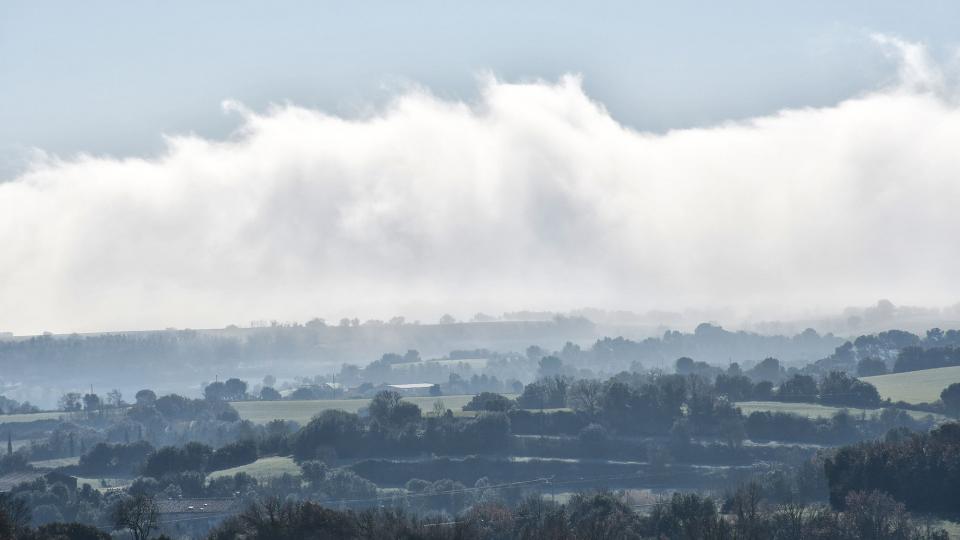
{"x": 111, "y": 77}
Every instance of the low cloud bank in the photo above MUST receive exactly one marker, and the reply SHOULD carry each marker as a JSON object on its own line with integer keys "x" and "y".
{"x": 531, "y": 197}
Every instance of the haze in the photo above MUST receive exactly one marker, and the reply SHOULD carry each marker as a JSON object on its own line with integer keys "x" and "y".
{"x": 528, "y": 193}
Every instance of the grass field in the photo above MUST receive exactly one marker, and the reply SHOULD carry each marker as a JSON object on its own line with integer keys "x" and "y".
{"x": 262, "y": 468}
{"x": 915, "y": 386}
{"x": 30, "y": 417}
{"x": 261, "y": 412}
{"x": 812, "y": 410}
{"x": 54, "y": 463}
{"x": 105, "y": 484}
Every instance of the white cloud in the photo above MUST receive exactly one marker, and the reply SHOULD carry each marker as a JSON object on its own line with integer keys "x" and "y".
{"x": 533, "y": 197}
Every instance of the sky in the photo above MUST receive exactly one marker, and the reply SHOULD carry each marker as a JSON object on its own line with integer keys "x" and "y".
{"x": 200, "y": 164}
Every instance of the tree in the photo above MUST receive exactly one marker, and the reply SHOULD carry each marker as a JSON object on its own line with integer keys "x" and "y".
{"x": 875, "y": 515}
{"x": 235, "y": 389}
{"x": 193, "y": 456}
{"x": 488, "y": 432}
{"x": 732, "y": 431}
{"x": 684, "y": 365}
{"x": 215, "y": 391}
{"x": 269, "y": 394}
{"x": 14, "y": 516}
{"x": 838, "y": 388}
{"x": 91, "y": 402}
{"x": 950, "y": 396}
{"x": 383, "y": 404}
{"x": 234, "y": 454}
{"x": 388, "y": 409}
{"x": 146, "y": 397}
{"x": 550, "y": 366}
{"x": 799, "y": 388}
{"x": 868, "y": 367}
{"x": 489, "y": 401}
{"x": 549, "y": 393}
{"x": 593, "y": 439}
{"x": 767, "y": 370}
{"x": 70, "y": 401}
{"x": 139, "y": 514}
{"x": 115, "y": 398}
{"x": 586, "y": 395}
{"x": 269, "y": 380}
{"x": 735, "y": 387}
{"x": 69, "y": 531}
{"x": 763, "y": 391}
{"x": 601, "y": 516}
{"x": 336, "y": 429}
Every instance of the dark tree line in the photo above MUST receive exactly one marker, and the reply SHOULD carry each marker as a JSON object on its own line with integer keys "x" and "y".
{"x": 921, "y": 470}
{"x": 599, "y": 516}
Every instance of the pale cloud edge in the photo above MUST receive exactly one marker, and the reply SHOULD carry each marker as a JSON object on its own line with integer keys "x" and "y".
{"x": 531, "y": 197}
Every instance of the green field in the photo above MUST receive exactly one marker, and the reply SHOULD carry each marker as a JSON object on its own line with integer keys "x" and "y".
{"x": 30, "y": 417}
{"x": 813, "y": 410}
{"x": 111, "y": 483}
{"x": 922, "y": 386}
{"x": 54, "y": 463}
{"x": 261, "y": 412}
{"x": 262, "y": 468}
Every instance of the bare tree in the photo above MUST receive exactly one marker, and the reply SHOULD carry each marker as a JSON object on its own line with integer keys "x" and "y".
{"x": 586, "y": 395}
{"x": 139, "y": 514}
{"x": 115, "y": 398}
{"x": 70, "y": 401}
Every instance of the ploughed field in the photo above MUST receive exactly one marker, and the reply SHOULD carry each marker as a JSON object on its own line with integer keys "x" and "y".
{"x": 922, "y": 386}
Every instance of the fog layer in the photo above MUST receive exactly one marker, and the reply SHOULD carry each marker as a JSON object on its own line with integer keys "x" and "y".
{"x": 531, "y": 197}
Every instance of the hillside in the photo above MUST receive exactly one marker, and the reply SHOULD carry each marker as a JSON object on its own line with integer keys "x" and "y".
{"x": 915, "y": 386}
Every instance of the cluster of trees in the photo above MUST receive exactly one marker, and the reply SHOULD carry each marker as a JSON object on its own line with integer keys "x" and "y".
{"x": 919, "y": 469}
{"x": 876, "y": 354}
{"x": 49, "y": 506}
{"x": 491, "y": 402}
{"x": 170, "y": 419}
{"x": 841, "y": 428}
{"x": 603, "y": 515}
{"x": 198, "y": 457}
{"x": 106, "y": 459}
{"x": 917, "y": 358}
{"x": 708, "y": 343}
{"x": 12, "y": 406}
{"x": 460, "y": 376}
{"x": 834, "y": 388}
{"x": 682, "y": 407}
{"x": 633, "y": 404}
{"x": 91, "y": 403}
{"x": 140, "y": 457}
{"x": 397, "y": 428}
{"x": 232, "y": 389}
